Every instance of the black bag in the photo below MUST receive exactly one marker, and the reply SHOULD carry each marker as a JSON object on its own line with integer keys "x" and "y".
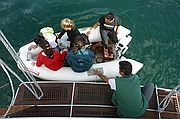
{"x": 85, "y": 37}
{"x": 41, "y": 41}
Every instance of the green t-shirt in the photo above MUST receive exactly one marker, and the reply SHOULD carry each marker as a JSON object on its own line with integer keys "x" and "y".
{"x": 128, "y": 97}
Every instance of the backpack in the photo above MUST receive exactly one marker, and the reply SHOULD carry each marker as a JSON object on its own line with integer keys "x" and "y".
{"x": 80, "y": 62}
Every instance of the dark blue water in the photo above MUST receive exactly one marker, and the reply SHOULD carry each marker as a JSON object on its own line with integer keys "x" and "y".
{"x": 155, "y": 26}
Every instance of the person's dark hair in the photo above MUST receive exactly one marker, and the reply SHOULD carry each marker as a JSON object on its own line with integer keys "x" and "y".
{"x": 49, "y": 52}
{"x": 109, "y": 16}
{"x": 126, "y": 67}
{"x": 79, "y": 41}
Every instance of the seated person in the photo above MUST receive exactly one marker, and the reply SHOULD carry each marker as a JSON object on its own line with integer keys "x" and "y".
{"x": 79, "y": 57}
{"x": 52, "y": 59}
{"x": 68, "y": 26}
{"x": 109, "y": 27}
{"x": 130, "y": 100}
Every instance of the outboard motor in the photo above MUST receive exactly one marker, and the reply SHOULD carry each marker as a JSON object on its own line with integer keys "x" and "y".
{"x": 120, "y": 49}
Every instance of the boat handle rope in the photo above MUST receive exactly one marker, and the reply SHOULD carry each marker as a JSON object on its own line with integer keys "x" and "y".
{"x": 165, "y": 102}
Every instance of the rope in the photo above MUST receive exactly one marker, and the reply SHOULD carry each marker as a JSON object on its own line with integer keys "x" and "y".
{"x": 165, "y": 102}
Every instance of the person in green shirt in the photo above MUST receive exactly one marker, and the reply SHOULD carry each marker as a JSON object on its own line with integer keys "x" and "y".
{"x": 129, "y": 99}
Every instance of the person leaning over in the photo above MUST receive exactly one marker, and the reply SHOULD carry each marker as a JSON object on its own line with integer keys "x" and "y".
{"x": 68, "y": 26}
{"x": 109, "y": 27}
{"x": 129, "y": 99}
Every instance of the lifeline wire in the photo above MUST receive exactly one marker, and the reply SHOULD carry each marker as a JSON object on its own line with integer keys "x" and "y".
{"x": 12, "y": 87}
{"x": 22, "y": 66}
{"x": 5, "y": 67}
{"x": 165, "y": 102}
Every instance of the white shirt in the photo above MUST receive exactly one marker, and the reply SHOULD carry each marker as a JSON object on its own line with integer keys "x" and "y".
{"x": 112, "y": 84}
